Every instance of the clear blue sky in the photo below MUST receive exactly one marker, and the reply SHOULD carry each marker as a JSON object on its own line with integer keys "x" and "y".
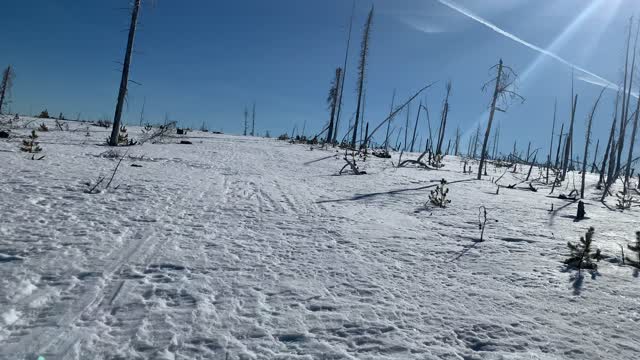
{"x": 202, "y": 60}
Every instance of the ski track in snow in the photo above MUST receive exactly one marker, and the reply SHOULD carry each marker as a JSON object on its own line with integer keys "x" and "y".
{"x": 232, "y": 248}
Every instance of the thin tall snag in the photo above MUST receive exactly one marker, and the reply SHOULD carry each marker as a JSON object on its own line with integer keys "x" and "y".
{"x": 588, "y": 140}
{"x": 443, "y": 120}
{"x": 5, "y": 86}
{"x": 361, "y": 73}
{"x": 569, "y": 141}
{"x": 246, "y": 121}
{"x": 631, "y": 145}
{"x": 415, "y": 127}
{"x": 124, "y": 81}
{"x": 426, "y": 110}
{"x": 406, "y": 129}
{"x": 332, "y": 100}
{"x": 557, "y": 164}
{"x": 386, "y": 139}
{"x": 626, "y": 100}
{"x": 553, "y": 129}
{"x": 344, "y": 74}
{"x": 253, "y": 120}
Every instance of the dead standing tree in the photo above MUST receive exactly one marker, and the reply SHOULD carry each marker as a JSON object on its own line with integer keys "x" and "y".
{"x": 504, "y": 80}
{"x": 253, "y": 120}
{"x": 553, "y": 129}
{"x": 569, "y": 140}
{"x": 5, "y": 86}
{"x": 626, "y": 100}
{"x": 386, "y": 139}
{"x": 415, "y": 128}
{"x": 361, "y": 73}
{"x": 344, "y": 73}
{"x": 246, "y": 121}
{"x": 587, "y": 141}
{"x": 630, "y": 160}
{"x": 122, "y": 93}
{"x": 443, "y": 120}
{"x": 332, "y": 100}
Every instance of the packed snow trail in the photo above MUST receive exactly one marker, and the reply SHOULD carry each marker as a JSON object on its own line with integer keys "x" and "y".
{"x": 232, "y": 248}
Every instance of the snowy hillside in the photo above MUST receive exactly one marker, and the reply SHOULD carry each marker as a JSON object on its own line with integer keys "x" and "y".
{"x": 248, "y": 248}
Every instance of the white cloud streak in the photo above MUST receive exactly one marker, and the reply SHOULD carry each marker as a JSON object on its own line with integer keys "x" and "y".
{"x": 588, "y": 76}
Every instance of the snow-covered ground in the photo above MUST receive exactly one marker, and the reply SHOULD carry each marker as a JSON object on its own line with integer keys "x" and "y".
{"x": 247, "y": 248}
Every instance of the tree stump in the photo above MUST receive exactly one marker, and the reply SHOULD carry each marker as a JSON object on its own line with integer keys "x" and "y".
{"x": 581, "y": 213}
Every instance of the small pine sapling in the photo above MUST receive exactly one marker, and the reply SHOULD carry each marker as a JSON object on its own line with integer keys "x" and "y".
{"x": 30, "y": 145}
{"x": 581, "y": 253}
{"x": 438, "y": 196}
{"x": 635, "y": 247}
{"x": 43, "y": 127}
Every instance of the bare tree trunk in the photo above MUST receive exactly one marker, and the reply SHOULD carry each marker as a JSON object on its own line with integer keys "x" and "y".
{"x": 457, "y": 144}
{"x": 333, "y": 103}
{"x": 415, "y": 127}
{"x": 142, "y": 111}
{"x": 125, "y": 75}
{"x": 344, "y": 74}
{"x": 531, "y": 167}
{"x": 246, "y": 121}
{"x": 631, "y": 144}
{"x": 612, "y": 162}
{"x": 567, "y": 150}
{"x": 406, "y": 129}
{"x": 253, "y": 121}
{"x": 553, "y": 129}
{"x": 365, "y": 145}
{"x": 557, "y": 164}
{"x": 5, "y": 86}
{"x": 443, "y": 120}
{"x": 496, "y": 92}
{"x": 426, "y": 110}
{"x": 361, "y": 74}
{"x": 476, "y": 138}
{"x": 586, "y": 145}
{"x": 496, "y": 141}
{"x": 595, "y": 157}
{"x": 626, "y": 99}
{"x": 386, "y": 138}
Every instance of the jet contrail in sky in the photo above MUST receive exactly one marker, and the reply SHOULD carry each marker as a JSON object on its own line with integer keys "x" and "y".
{"x": 595, "y": 79}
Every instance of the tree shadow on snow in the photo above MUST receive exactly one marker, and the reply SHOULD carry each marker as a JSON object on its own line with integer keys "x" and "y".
{"x": 577, "y": 279}
{"x": 391, "y": 192}
{"x": 466, "y": 249}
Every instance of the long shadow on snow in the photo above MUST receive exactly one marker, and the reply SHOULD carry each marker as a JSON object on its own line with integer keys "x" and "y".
{"x": 392, "y": 192}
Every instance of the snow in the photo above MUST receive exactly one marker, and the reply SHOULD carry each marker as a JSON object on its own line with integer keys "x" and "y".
{"x": 248, "y": 248}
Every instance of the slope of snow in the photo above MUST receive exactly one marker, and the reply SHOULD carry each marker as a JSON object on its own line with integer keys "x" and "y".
{"x": 250, "y": 248}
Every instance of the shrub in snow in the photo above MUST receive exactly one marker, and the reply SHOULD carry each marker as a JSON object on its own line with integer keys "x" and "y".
{"x": 635, "y": 247}
{"x": 438, "y": 196}
{"x": 44, "y": 114}
{"x": 30, "y": 145}
{"x": 43, "y": 127}
{"x": 624, "y": 201}
{"x": 581, "y": 254}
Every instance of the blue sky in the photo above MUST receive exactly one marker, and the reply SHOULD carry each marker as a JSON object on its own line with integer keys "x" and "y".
{"x": 203, "y": 60}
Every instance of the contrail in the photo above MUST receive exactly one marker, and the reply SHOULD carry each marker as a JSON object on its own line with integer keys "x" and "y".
{"x": 597, "y": 80}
